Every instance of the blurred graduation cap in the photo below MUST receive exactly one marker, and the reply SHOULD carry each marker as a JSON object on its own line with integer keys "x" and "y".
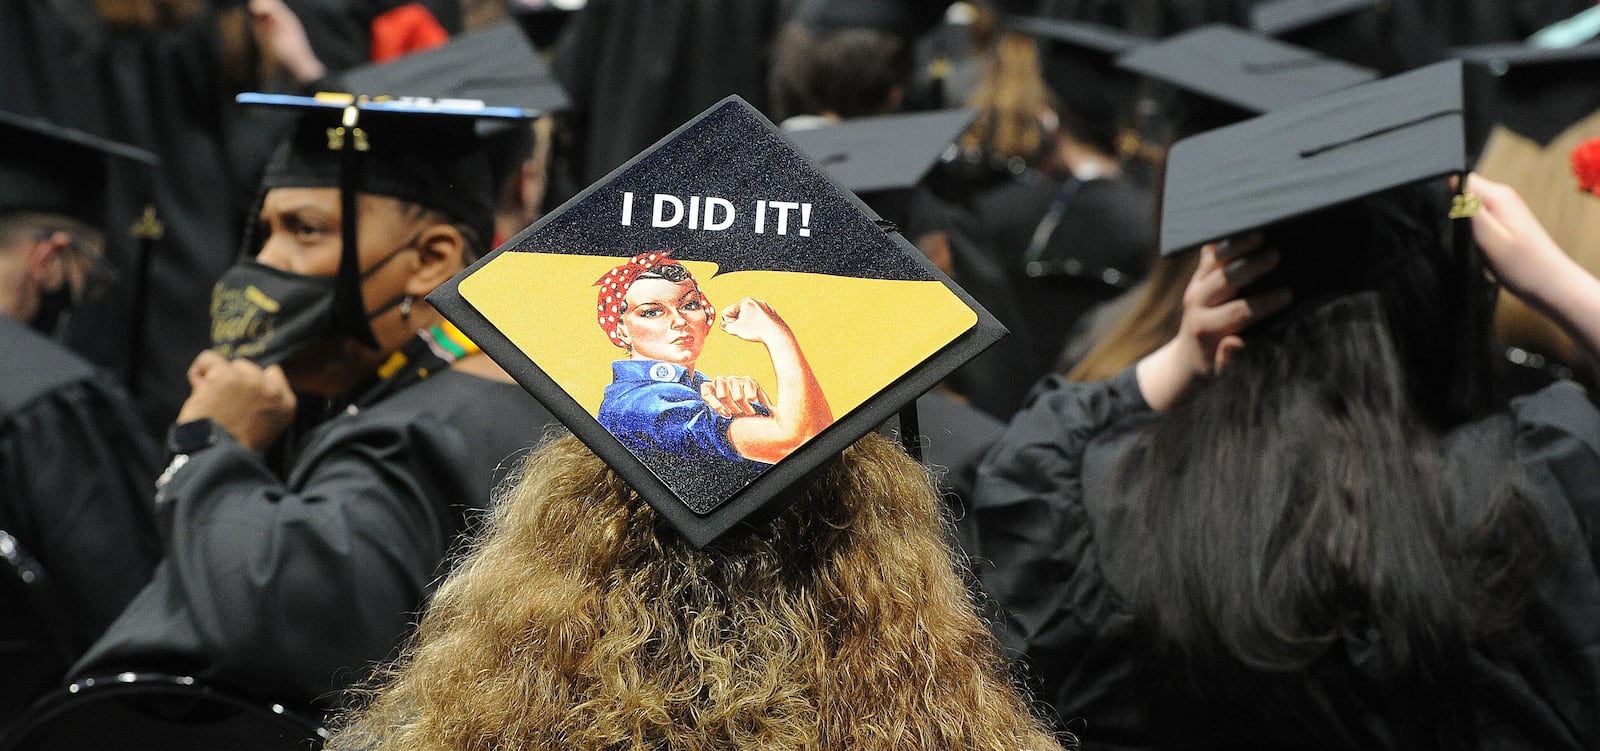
{"x": 887, "y": 152}
{"x": 728, "y": 205}
{"x": 493, "y": 64}
{"x": 1348, "y": 187}
{"x": 49, "y": 168}
{"x": 1282, "y": 17}
{"x": 1387, "y": 36}
{"x": 1247, "y": 72}
{"x": 1078, "y": 61}
{"x": 907, "y": 18}
{"x": 428, "y": 151}
{"x": 1318, "y": 154}
{"x": 1091, "y": 38}
{"x": 1534, "y": 92}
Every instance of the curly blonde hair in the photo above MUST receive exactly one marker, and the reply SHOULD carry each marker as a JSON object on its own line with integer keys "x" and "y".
{"x": 579, "y": 620}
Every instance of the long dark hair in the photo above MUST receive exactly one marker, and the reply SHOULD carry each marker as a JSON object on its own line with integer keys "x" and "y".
{"x": 1307, "y": 576}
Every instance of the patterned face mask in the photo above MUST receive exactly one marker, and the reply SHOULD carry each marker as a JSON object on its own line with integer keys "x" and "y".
{"x": 265, "y": 314}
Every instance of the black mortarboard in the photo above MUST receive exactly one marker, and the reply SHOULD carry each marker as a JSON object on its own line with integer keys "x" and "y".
{"x": 887, "y": 152}
{"x": 1280, "y": 17}
{"x": 420, "y": 150}
{"x": 1534, "y": 92}
{"x": 1092, "y": 38}
{"x": 1078, "y": 62}
{"x": 1387, "y": 36}
{"x": 494, "y": 64}
{"x": 1347, "y": 187}
{"x": 1318, "y": 154}
{"x": 1249, "y": 72}
{"x": 49, "y": 168}
{"x": 907, "y": 18}
{"x": 723, "y": 209}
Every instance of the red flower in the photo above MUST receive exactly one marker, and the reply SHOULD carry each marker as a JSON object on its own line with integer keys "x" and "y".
{"x": 1586, "y": 165}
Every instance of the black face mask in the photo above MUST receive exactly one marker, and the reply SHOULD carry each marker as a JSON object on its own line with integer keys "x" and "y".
{"x": 53, "y": 310}
{"x": 55, "y": 306}
{"x": 266, "y": 315}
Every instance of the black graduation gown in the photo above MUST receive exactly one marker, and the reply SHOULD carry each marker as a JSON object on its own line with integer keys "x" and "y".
{"x": 48, "y": 52}
{"x": 164, "y": 92}
{"x": 291, "y": 587}
{"x": 1057, "y": 549}
{"x": 955, "y": 437}
{"x": 638, "y": 69}
{"x": 76, "y": 474}
{"x": 1100, "y": 244}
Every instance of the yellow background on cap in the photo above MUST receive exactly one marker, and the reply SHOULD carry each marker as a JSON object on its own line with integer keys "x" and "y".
{"x": 860, "y": 335}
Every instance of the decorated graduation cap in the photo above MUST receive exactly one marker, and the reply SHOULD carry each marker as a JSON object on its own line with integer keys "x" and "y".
{"x": 426, "y": 151}
{"x": 49, "y": 168}
{"x": 717, "y": 319}
{"x": 1535, "y": 92}
{"x": 886, "y": 152}
{"x": 1249, "y": 73}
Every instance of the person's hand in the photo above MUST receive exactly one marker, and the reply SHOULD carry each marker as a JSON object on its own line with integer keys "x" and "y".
{"x": 734, "y": 396}
{"x": 1529, "y": 263}
{"x": 286, "y": 39}
{"x": 1214, "y": 316}
{"x": 1519, "y": 250}
{"x": 1213, "y": 313}
{"x": 753, "y": 321}
{"x": 252, "y": 403}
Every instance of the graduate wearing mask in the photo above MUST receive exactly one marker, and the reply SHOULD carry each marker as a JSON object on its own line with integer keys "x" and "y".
{"x": 75, "y": 462}
{"x": 297, "y": 557}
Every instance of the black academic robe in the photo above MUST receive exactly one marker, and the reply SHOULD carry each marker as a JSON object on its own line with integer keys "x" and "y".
{"x": 48, "y": 52}
{"x": 76, "y": 474}
{"x": 289, "y": 587}
{"x": 164, "y": 91}
{"x": 1058, "y": 548}
{"x": 1097, "y": 240}
{"x": 954, "y": 438}
{"x": 638, "y": 69}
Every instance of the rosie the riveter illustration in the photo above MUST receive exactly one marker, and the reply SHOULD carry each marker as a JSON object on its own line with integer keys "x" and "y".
{"x": 669, "y": 414}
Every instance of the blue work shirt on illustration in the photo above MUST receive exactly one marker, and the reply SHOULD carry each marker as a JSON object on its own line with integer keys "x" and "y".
{"x": 655, "y": 409}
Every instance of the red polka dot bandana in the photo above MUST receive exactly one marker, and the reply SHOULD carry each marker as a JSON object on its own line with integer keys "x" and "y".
{"x": 614, "y": 289}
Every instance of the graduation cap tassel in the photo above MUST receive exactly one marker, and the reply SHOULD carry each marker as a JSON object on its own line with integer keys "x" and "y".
{"x": 350, "y": 312}
{"x": 147, "y": 230}
{"x": 1471, "y": 392}
{"x": 910, "y": 432}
